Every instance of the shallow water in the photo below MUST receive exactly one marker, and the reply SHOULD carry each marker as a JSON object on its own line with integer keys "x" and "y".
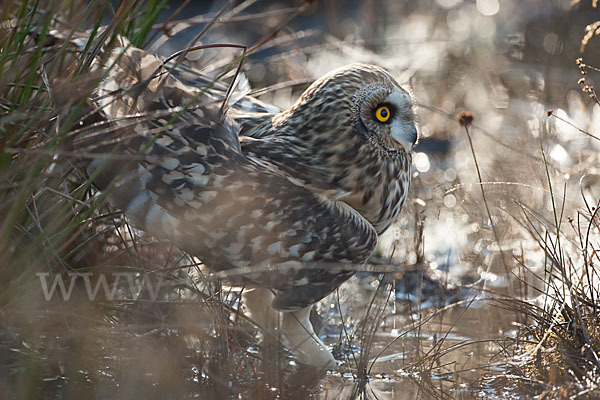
{"x": 444, "y": 355}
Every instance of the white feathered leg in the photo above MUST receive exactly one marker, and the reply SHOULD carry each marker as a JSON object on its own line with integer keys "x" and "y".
{"x": 299, "y": 335}
{"x": 258, "y": 302}
{"x": 296, "y": 330}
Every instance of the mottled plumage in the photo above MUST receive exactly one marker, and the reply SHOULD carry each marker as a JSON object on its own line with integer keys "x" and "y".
{"x": 269, "y": 191}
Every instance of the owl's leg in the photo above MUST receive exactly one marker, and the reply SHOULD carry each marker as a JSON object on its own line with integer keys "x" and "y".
{"x": 299, "y": 335}
{"x": 296, "y": 330}
{"x": 258, "y": 301}
{"x": 258, "y": 305}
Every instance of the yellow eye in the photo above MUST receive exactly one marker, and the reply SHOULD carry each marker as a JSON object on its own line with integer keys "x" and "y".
{"x": 383, "y": 113}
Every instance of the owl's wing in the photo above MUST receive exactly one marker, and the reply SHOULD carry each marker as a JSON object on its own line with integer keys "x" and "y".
{"x": 177, "y": 170}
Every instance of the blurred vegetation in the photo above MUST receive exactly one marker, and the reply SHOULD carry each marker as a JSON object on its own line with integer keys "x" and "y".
{"x": 496, "y": 288}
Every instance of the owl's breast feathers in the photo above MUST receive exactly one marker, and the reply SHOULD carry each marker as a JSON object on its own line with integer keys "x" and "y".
{"x": 265, "y": 207}
{"x": 321, "y": 144}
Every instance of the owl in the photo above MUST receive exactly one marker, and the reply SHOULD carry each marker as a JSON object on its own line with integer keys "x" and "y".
{"x": 284, "y": 203}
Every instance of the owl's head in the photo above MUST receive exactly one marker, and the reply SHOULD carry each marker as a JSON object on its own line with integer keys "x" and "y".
{"x": 358, "y": 100}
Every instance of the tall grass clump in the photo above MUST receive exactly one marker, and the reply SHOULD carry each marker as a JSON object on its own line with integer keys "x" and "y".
{"x": 561, "y": 348}
{"x": 53, "y": 222}
{"x": 560, "y": 352}
{"x": 44, "y": 85}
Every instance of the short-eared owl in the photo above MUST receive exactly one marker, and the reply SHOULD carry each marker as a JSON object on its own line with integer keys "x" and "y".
{"x": 284, "y": 197}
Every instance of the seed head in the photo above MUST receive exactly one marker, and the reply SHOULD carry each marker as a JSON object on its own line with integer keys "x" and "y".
{"x": 465, "y": 118}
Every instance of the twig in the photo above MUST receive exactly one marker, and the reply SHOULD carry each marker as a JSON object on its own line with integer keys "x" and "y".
{"x": 465, "y": 118}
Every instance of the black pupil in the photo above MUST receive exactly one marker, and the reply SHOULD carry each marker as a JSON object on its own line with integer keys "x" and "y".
{"x": 384, "y": 113}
